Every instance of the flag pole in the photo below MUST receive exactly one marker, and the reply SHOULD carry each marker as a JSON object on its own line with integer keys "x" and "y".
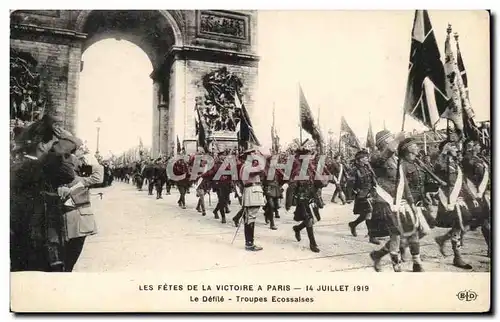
{"x": 399, "y": 159}
{"x": 300, "y": 119}
{"x": 447, "y": 157}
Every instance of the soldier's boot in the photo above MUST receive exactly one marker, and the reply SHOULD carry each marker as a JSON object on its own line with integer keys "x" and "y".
{"x": 198, "y": 205}
{"x": 223, "y": 215}
{"x": 352, "y": 227}
{"x": 236, "y": 219}
{"x": 396, "y": 262}
{"x": 485, "y": 229}
{"x": 297, "y": 230}
{"x": 215, "y": 211}
{"x": 458, "y": 260}
{"x": 441, "y": 241}
{"x": 249, "y": 241}
{"x": 269, "y": 218}
{"x": 377, "y": 256}
{"x": 276, "y": 213}
{"x": 417, "y": 263}
{"x": 312, "y": 241}
{"x": 227, "y": 210}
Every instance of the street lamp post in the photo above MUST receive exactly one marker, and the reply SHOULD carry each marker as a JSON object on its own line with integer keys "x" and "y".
{"x": 98, "y": 126}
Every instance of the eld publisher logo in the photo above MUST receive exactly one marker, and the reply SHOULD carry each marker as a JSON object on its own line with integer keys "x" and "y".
{"x": 467, "y": 296}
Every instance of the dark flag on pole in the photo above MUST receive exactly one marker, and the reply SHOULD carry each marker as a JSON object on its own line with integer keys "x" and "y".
{"x": 307, "y": 120}
{"x": 370, "y": 140}
{"x": 347, "y": 135}
{"x": 425, "y": 98}
{"x": 244, "y": 127}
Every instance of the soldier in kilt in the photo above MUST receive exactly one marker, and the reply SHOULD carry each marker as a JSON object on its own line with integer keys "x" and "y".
{"x": 453, "y": 211}
{"x": 393, "y": 207}
{"x": 477, "y": 175}
{"x": 305, "y": 194}
{"x": 363, "y": 186}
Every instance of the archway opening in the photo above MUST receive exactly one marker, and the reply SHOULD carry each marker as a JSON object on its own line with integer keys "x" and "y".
{"x": 115, "y": 101}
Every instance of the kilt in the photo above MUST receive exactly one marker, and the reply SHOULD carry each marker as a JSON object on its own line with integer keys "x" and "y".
{"x": 303, "y": 212}
{"x": 362, "y": 206}
{"x": 453, "y": 219}
{"x": 385, "y": 223}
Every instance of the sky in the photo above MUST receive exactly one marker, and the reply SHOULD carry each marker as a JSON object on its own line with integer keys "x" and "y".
{"x": 350, "y": 63}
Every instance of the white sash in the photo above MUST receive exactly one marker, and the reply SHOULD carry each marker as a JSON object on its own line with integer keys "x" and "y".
{"x": 454, "y": 193}
{"x": 478, "y": 192}
{"x": 399, "y": 192}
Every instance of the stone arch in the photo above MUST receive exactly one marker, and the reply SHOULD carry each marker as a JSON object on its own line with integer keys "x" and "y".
{"x": 178, "y": 35}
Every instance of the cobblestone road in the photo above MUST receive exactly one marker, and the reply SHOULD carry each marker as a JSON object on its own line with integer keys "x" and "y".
{"x": 139, "y": 233}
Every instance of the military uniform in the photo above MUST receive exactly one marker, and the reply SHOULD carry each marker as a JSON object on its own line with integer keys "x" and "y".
{"x": 305, "y": 194}
{"x": 252, "y": 201}
{"x": 476, "y": 173}
{"x": 272, "y": 192}
{"x": 453, "y": 211}
{"x": 364, "y": 182}
{"x": 159, "y": 177}
{"x": 393, "y": 213}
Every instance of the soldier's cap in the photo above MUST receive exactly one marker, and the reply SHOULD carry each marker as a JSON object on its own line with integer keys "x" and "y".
{"x": 403, "y": 145}
{"x": 361, "y": 154}
{"x": 383, "y": 136}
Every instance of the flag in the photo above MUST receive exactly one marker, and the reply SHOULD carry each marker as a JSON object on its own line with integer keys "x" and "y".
{"x": 463, "y": 82}
{"x": 200, "y": 130}
{"x": 307, "y": 120}
{"x": 347, "y": 135}
{"x": 244, "y": 127}
{"x": 179, "y": 149}
{"x": 370, "y": 140}
{"x": 425, "y": 98}
{"x": 454, "y": 110}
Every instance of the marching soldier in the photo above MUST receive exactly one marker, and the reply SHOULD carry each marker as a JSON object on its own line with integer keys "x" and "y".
{"x": 363, "y": 186}
{"x": 393, "y": 208}
{"x": 252, "y": 200}
{"x": 452, "y": 210}
{"x": 160, "y": 177}
{"x": 272, "y": 192}
{"x": 148, "y": 174}
{"x": 339, "y": 172}
{"x": 307, "y": 205}
{"x": 476, "y": 173}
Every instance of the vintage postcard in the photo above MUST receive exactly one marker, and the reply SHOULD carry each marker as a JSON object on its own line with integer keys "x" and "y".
{"x": 250, "y": 161}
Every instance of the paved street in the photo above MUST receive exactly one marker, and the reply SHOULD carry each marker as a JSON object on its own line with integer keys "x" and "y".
{"x": 138, "y": 233}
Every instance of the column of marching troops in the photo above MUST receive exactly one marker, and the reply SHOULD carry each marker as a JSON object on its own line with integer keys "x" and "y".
{"x": 399, "y": 191}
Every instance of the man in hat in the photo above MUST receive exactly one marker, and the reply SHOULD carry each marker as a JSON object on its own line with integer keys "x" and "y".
{"x": 391, "y": 203}
{"x": 340, "y": 174}
{"x": 477, "y": 176}
{"x": 452, "y": 210}
{"x": 414, "y": 174}
{"x": 364, "y": 183}
{"x": 160, "y": 177}
{"x": 306, "y": 196}
{"x": 253, "y": 196}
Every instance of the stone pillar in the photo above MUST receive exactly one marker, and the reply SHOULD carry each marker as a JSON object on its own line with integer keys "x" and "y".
{"x": 155, "y": 145}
